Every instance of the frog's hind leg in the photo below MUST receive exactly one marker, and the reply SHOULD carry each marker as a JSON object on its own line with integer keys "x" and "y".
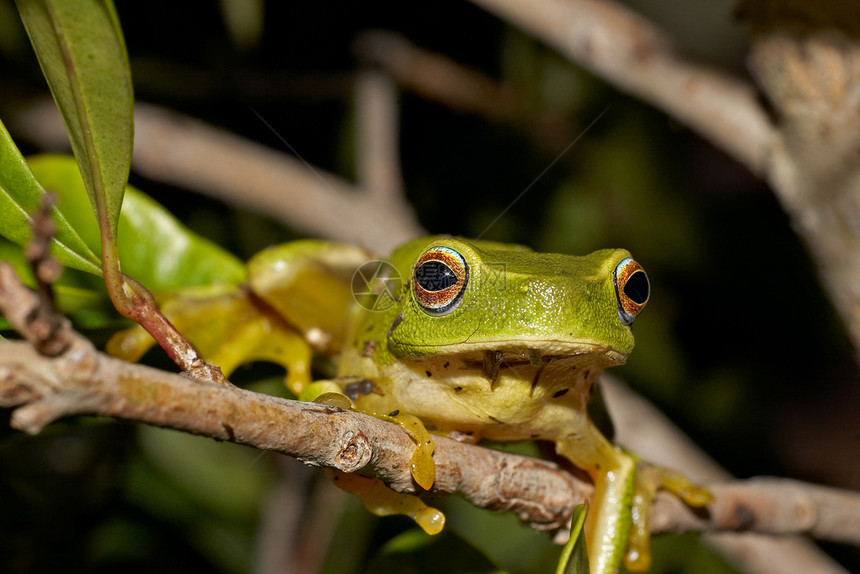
{"x": 228, "y": 328}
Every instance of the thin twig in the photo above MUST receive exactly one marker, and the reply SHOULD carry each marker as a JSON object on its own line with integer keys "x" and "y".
{"x": 88, "y": 382}
{"x": 49, "y": 331}
{"x": 434, "y": 76}
{"x": 377, "y": 148}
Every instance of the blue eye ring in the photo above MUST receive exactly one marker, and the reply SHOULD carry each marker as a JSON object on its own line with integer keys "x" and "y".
{"x": 439, "y": 279}
{"x": 632, "y": 289}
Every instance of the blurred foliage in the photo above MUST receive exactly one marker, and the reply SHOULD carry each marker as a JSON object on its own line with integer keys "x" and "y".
{"x": 736, "y": 335}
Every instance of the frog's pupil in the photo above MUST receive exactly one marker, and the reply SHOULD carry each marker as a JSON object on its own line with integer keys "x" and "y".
{"x": 435, "y": 276}
{"x": 636, "y": 288}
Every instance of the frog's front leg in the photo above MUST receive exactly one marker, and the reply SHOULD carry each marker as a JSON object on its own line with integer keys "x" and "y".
{"x": 382, "y": 501}
{"x": 373, "y": 493}
{"x": 423, "y": 468}
{"x": 649, "y": 479}
{"x": 618, "y": 520}
{"x": 609, "y": 520}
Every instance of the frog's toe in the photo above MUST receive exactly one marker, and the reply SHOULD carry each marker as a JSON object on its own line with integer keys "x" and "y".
{"x": 649, "y": 479}
{"x": 382, "y": 501}
{"x": 638, "y": 556}
{"x": 423, "y": 467}
{"x": 465, "y": 437}
{"x": 334, "y": 400}
{"x": 130, "y": 344}
{"x": 685, "y": 489}
{"x": 319, "y": 389}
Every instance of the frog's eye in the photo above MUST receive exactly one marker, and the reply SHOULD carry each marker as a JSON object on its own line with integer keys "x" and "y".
{"x": 632, "y": 289}
{"x": 439, "y": 280}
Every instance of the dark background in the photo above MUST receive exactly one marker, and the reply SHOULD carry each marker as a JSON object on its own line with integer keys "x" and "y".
{"x": 739, "y": 345}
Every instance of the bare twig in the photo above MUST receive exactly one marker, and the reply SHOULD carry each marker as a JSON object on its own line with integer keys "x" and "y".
{"x": 786, "y": 506}
{"x": 87, "y": 382}
{"x": 434, "y": 76}
{"x": 377, "y": 151}
{"x": 49, "y": 331}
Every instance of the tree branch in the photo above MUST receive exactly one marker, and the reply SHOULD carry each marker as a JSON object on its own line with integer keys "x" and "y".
{"x": 628, "y": 51}
{"x": 81, "y": 380}
{"x": 84, "y": 381}
{"x": 434, "y": 76}
{"x": 377, "y": 135}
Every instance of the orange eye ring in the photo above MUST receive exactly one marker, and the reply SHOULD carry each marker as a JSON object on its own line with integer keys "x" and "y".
{"x": 632, "y": 289}
{"x": 439, "y": 279}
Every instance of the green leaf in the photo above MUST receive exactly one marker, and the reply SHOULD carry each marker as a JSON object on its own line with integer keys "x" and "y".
{"x": 574, "y": 557}
{"x": 82, "y": 53}
{"x": 156, "y": 249}
{"x": 20, "y": 196}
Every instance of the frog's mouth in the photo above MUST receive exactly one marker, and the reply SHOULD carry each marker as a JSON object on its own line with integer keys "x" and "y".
{"x": 538, "y": 352}
{"x": 536, "y": 361}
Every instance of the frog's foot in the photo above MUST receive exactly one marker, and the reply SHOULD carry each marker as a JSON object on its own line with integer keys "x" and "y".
{"x": 382, "y": 501}
{"x": 649, "y": 479}
{"x": 422, "y": 466}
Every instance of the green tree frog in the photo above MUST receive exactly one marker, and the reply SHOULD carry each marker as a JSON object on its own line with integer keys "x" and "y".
{"x": 449, "y": 335}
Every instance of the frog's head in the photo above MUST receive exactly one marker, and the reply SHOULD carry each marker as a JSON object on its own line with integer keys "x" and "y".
{"x": 461, "y": 297}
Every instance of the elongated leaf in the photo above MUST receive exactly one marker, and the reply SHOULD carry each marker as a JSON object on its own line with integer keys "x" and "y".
{"x": 20, "y": 196}
{"x": 156, "y": 249}
{"x": 574, "y": 556}
{"x": 82, "y": 53}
